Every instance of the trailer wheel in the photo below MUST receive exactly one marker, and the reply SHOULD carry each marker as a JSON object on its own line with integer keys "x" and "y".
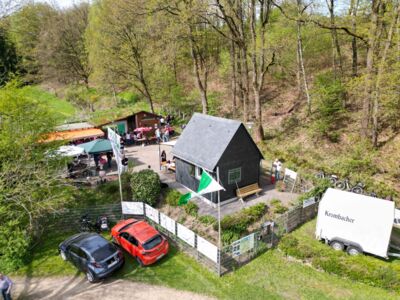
{"x": 336, "y": 245}
{"x": 353, "y": 251}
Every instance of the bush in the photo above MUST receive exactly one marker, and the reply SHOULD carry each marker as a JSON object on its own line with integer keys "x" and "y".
{"x": 191, "y": 209}
{"x": 228, "y": 237}
{"x": 278, "y": 207}
{"x": 14, "y": 246}
{"x": 208, "y": 220}
{"x": 238, "y": 222}
{"x": 172, "y": 196}
{"x": 146, "y": 186}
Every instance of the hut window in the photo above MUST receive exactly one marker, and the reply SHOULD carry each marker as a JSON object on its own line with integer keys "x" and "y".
{"x": 234, "y": 175}
{"x": 198, "y": 172}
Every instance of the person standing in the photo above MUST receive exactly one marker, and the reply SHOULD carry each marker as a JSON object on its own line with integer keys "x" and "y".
{"x": 278, "y": 170}
{"x": 158, "y": 135}
{"x": 5, "y": 286}
{"x": 109, "y": 159}
{"x": 165, "y": 137}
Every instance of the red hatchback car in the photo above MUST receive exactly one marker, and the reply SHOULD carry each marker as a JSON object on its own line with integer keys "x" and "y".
{"x": 141, "y": 240}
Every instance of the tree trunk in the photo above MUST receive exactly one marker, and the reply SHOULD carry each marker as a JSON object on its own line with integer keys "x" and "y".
{"x": 381, "y": 69}
{"x": 354, "y": 50}
{"x": 245, "y": 81}
{"x": 233, "y": 74}
{"x": 336, "y": 53}
{"x": 301, "y": 61}
{"x": 198, "y": 68}
{"x": 370, "y": 71}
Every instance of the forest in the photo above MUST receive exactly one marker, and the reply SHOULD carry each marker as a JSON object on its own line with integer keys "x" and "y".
{"x": 318, "y": 81}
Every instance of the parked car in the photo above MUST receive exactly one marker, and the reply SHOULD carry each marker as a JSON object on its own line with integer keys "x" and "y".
{"x": 92, "y": 254}
{"x": 140, "y": 240}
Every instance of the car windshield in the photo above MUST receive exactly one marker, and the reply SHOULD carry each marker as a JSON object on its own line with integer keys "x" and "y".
{"x": 103, "y": 252}
{"x": 154, "y": 241}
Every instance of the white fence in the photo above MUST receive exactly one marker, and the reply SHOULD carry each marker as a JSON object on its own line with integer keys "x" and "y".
{"x": 204, "y": 249}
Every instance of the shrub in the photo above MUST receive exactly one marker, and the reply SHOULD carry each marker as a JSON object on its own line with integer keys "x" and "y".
{"x": 146, "y": 186}
{"x": 208, "y": 220}
{"x": 126, "y": 186}
{"x": 238, "y": 222}
{"x": 172, "y": 196}
{"x": 329, "y": 95}
{"x": 192, "y": 209}
{"x": 228, "y": 237}
{"x": 288, "y": 243}
{"x": 278, "y": 207}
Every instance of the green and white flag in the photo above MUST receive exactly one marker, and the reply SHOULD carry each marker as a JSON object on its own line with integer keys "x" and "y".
{"x": 207, "y": 185}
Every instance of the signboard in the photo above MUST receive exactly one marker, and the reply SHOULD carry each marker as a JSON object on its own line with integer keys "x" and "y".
{"x": 152, "y": 213}
{"x": 290, "y": 173}
{"x": 208, "y": 249}
{"x": 308, "y": 202}
{"x": 243, "y": 245}
{"x": 290, "y": 180}
{"x": 115, "y": 140}
{"x": 167, "y": 223}
{"x": 186, "y": 234}
{"x": 132, "y": 208}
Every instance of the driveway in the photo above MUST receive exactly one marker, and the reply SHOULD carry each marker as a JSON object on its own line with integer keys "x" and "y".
{"x": 77, "y": 287}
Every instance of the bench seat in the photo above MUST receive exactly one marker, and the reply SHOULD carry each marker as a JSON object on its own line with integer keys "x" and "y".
{"x": 248, "y": 190}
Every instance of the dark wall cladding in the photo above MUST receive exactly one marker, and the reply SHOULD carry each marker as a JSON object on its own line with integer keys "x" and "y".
{"x": 240, "y": 153}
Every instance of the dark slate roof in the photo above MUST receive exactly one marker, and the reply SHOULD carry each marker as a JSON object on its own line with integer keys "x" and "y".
{"x": 205, "y": 139}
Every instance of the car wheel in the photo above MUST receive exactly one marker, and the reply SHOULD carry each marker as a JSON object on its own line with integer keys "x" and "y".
{"x": 90, "y": 277}
{"x": 338, "y": 246}
{"x": 63, "y": 255}
{"x": 353, "y": 251}
{"x": 139, "y": 262}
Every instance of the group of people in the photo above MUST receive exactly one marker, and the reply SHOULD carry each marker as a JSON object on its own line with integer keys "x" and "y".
{"x": 163, "y": 133}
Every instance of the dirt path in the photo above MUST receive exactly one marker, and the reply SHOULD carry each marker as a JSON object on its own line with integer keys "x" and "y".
{"x": 78, "y": 288}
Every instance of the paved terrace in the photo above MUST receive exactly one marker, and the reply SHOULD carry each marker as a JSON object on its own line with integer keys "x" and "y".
{"x": 144, "y": 156}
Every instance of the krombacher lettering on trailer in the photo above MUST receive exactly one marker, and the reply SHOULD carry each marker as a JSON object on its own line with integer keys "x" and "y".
{"x": 339, "y": 217}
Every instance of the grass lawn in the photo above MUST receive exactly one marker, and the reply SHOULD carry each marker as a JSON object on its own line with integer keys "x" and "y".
{"x": 62, "y": 109}
{"x": 270, "y": 276}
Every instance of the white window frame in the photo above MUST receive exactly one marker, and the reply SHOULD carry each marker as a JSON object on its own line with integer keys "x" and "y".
{"x": 234, "y": 170}
{"x": 197, "y": 172}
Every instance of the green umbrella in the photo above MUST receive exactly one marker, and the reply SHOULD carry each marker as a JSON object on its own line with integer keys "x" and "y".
{"x": 97, "y": 146}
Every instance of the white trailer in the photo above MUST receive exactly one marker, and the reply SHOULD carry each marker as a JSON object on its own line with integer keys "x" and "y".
{"x": 355, "y": 222}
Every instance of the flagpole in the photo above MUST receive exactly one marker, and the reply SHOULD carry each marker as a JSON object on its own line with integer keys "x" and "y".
{"x": 219, "y": 225}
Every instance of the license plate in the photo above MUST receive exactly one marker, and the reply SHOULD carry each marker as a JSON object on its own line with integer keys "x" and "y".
{"x": 160, "y": 256}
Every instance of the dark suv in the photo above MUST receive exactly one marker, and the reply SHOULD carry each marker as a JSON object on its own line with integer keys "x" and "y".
{"x": 92, "y": 254}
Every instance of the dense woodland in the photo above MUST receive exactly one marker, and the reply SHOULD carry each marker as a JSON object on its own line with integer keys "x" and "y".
{"x": 319, "y": 79}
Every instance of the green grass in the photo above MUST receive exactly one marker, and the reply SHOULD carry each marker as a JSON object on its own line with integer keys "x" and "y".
{"x": 270, "y": 276}
{"x": 302, "y": 244}
{"x": 62, "y": 109}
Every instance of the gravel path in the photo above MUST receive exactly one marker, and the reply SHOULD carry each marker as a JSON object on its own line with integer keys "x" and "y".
{"x": 78, "y": 288}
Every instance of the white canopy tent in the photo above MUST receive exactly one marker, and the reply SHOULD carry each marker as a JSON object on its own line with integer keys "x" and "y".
{"x": 69, "y": 151}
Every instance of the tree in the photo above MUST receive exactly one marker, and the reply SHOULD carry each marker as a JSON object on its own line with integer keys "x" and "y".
{"x": 62, "y": 51}
{"x": 8, "y": 57}
{"x": 26, "y": 26}
{"x": 30, "y": 183}
{"x": 261, "y": 14}
{"x": 119, "y": 39}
